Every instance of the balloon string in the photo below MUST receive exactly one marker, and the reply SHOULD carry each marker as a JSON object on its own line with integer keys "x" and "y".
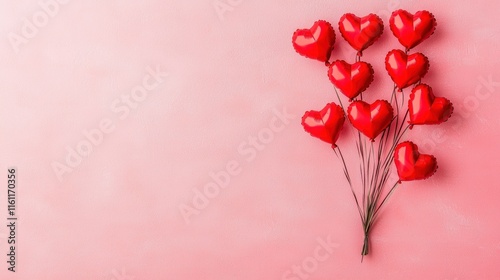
{"x": 348, "y": 178}
{"x": 381, "y": 165}
{"x": 393, "y": 92}
{"x": 386, "y": 197}
{"x": 375, "y": 166}
{"x": 364, "y": 156}
{"x": 346, "y": 171}
{"x": 398, "y": 134}
{"x": 340, "y": 101}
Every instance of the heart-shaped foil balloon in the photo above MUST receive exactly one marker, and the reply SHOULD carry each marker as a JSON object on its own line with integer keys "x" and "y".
{"x": 411, "y": 165}
{"x": 425, "y": 108}
{"x": 350, "y": 79}
{"x": 325, "y": 124}
{"x": 410, "y": 29}
{"x": 370, "y": 119}
{"x": 316, "y": 42}
{"x": 360, "y": 33}
{"x": 405, "y": 70}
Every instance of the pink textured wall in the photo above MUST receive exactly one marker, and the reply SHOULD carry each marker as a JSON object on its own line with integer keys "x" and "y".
{"x": 182, "y": 97}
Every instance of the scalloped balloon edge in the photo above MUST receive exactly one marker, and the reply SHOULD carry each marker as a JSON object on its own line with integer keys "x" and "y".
{"x": 409, "y": 99}
{"x": 372, "y": 72}
{"x": 423, "y": 75}
{"x": 434, "y": 26}
{"x": 349, "y": 110}
{"x": 331, "y": 50}
{"x": 425, "y": 178}
{"x": 366, "y": 47}
{"x": 302, "y": 119}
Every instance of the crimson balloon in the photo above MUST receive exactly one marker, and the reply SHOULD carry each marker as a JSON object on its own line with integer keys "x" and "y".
{"x": 325, "y": 124}
{"x": 412, "y": 165}
{"x": 410, "y": 29}
{"x": 362, "y": 32}
{"x": 405, "y": 70}
{"x": 350, "y": 79}
{"x": 315, "y": 42}
{"x": 370, "y": 119}
{"x": 425, "y": 108}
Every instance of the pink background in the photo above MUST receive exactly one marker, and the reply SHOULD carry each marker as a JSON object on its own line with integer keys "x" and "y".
{"x": 116, "y": 215}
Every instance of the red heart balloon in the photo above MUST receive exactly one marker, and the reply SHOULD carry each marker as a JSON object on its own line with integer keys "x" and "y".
{"x": 316, "y": 42}
{"x": 425, "y": 108}
{"x": 325, "y": 124}
{"x": 404, "y": 69}
{"x": 361, "y": 33}
{"x": 410, "y": 29}
{"x": 350, "y": 79}
{"x": 370, "y": 119}
{"x": 411, "y": 165}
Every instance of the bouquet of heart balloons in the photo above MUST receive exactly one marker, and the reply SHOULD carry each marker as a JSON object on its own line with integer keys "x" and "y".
{"x": 380, "y": 124}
